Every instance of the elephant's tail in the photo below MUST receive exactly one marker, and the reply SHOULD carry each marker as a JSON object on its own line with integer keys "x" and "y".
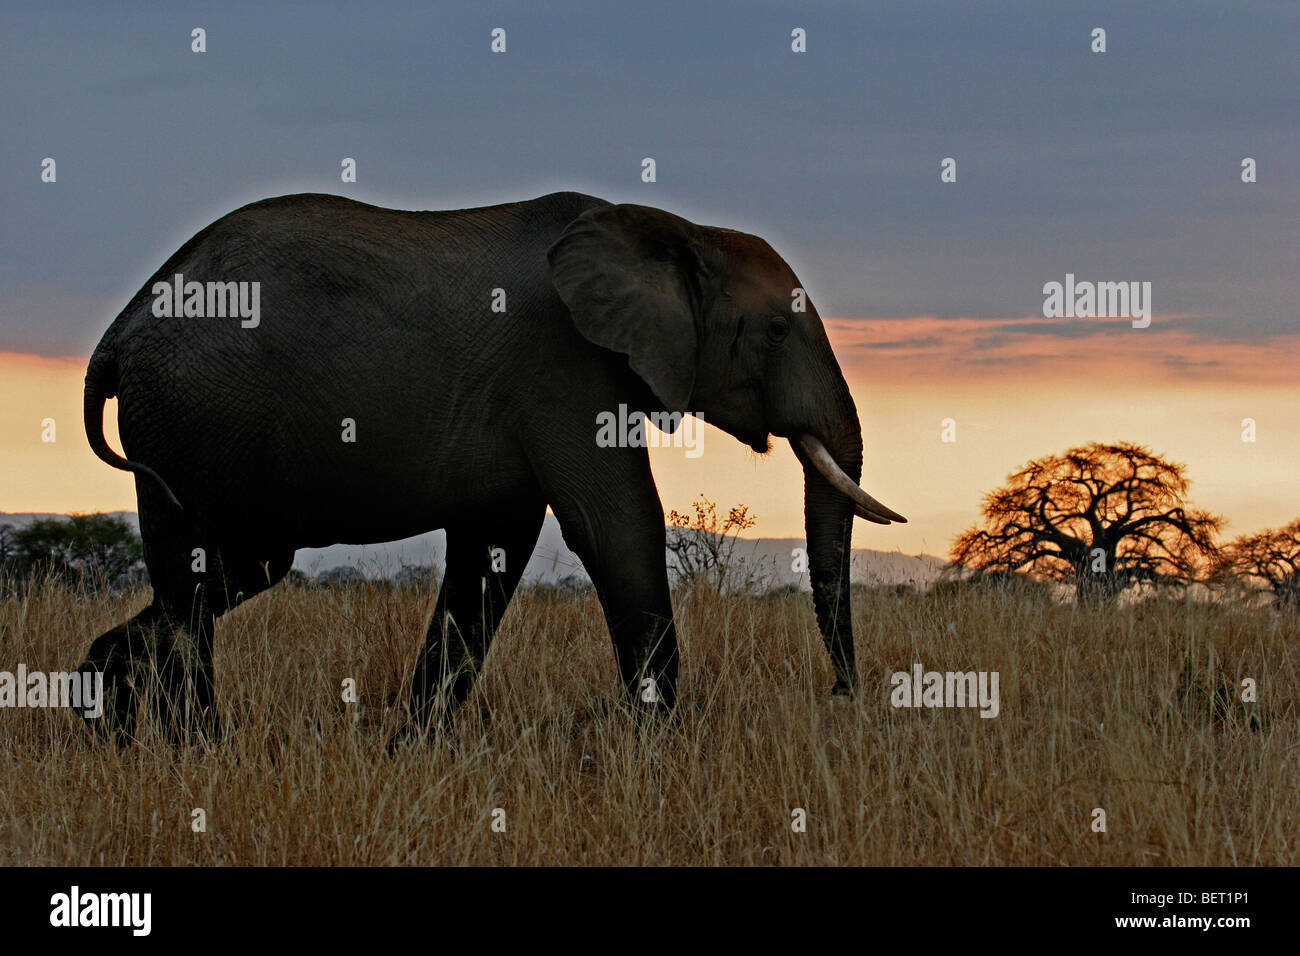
{"x": 101, "y": 385}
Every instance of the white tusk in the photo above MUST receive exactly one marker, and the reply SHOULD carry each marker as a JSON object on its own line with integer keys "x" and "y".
{"x": 864, "y": 506}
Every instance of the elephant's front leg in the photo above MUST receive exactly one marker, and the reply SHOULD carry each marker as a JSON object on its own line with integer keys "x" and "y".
{"x": 618, "y": 532}
{"x": 484, "y": 566}
{"x": 633, "y": 590}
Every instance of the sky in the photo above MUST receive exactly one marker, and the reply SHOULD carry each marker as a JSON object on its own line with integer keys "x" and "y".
{"x": 1122, "y": 166}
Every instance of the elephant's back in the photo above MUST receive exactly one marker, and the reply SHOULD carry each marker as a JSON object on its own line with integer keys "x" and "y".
{"x": 348, "y": 269}
{"x": 361, "y": 323}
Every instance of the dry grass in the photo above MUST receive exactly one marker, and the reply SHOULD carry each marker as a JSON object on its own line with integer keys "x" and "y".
{"x": 1134, "y": 710}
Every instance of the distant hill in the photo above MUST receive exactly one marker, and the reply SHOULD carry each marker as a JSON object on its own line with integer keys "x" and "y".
{"x": 552, "y": 561}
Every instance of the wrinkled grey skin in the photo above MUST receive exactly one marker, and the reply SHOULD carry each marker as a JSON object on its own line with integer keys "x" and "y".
{"x": 466, "y": 419}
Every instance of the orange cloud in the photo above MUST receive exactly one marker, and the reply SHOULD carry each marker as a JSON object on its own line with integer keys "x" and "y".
{"x": 1172, "y": 349}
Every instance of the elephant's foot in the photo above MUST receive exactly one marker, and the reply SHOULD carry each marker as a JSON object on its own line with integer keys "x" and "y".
{"x": 650, "y": 717}
{"x": 844, "y": 688}
{"x": 180, "y": 710}
{"x": 410, "y": 735}
{"x": 112, "y": 716}
{"x": 187, "y": 726}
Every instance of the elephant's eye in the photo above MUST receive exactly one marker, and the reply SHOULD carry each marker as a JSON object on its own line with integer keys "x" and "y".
{"x": 778, "y": 328}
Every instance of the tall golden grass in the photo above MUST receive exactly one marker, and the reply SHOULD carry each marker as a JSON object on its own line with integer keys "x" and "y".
{"x": 1134, "y": 710}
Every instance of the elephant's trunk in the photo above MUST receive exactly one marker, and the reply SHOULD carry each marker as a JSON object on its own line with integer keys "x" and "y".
{"x": 831, "y": 498}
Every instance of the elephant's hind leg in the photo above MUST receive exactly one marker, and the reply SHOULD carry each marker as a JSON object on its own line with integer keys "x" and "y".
{"x": 183, "y": 694}
{"x": 165, "y": 651}
{"x": 115, "y": 656}
{"x": 145, "y": 655}
{"x": 484, "y": 566}
{"x": 122, "y": 656}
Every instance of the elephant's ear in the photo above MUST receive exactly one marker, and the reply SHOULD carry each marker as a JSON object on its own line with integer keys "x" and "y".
{"x": 631, "y": 277}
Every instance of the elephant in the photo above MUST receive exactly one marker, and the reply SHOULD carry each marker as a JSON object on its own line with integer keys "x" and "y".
{"x": 361, "y": 387}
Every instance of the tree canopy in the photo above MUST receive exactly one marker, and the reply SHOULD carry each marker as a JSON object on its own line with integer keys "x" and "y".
{"x": 1101, "y": 517}
{"x": 1270, "y": 558}
{"x": 90, "y": 551}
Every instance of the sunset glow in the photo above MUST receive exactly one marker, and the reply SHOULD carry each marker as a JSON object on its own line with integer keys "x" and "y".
{"x": 1013, "y": 391}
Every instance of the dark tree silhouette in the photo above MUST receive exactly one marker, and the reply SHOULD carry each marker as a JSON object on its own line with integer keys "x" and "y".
{"x": 90, "y": 551}
{"x": 7, "y": 532}
{"x": 1271, "y": 558}
{"x": 1101, "y": 517}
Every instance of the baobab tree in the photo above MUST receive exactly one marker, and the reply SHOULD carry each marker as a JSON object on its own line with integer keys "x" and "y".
{"x": 1101, "y": 517}
{"x": 1271, "y": 558}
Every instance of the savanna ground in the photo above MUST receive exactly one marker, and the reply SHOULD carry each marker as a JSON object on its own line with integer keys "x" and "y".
{"x": 1135, "y": 710}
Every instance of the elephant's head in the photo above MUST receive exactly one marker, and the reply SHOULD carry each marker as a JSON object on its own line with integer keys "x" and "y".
{"x": 715, "y": 323}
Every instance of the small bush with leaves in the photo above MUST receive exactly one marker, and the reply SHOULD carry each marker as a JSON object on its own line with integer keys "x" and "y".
{"x": 702, "y": 549}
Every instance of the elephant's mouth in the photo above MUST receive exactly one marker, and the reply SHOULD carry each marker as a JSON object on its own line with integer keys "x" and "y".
{"x": 760, "y": 443}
